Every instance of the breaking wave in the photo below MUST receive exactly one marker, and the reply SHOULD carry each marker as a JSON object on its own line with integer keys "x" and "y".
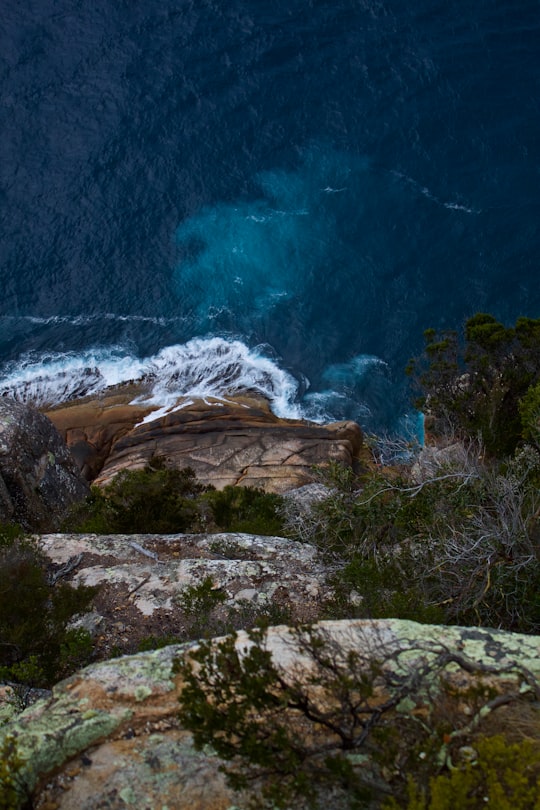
{"x": 201, "y": 368}
{"x": 210, "y": 368}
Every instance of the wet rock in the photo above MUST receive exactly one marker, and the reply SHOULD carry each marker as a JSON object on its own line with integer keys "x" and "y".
{"x": 236, "y": 441}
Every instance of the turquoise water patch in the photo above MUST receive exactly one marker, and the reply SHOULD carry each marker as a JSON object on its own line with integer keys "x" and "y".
{"x": 246, "y": 259}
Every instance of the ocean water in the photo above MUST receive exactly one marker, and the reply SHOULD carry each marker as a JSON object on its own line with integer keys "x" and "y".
{"x": 221, "y": 194}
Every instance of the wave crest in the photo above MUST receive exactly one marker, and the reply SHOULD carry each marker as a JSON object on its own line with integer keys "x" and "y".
{"x": 201, "y": 368}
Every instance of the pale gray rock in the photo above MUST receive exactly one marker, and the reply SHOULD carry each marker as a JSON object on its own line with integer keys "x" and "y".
{"x": 146, "y": 582}
{"x": 433, "y": 461}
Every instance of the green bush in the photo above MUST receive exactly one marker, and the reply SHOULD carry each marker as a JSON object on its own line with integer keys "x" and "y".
{"x": 246, "y": 509}
{"x": 238, "y": 704}
{"x": 473, "y": 383}
{"x": 163, "y": 500}
{"x": 156, "y": 499}
{"x": 458, "y": 543}
{"x": 157, "y": 642}
{"x": 13, "y": 794}
{"x": 380, "y": 589}
{"x": 356, "y": 722}
{"x": 198, "y": 603}
{"x": 502, "y": 776}
{"x": 37, "y": 646}
{"x": 529, "y": 410}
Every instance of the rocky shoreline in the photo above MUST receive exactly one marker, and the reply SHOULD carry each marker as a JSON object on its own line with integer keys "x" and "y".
{"x": 237, "y": 441}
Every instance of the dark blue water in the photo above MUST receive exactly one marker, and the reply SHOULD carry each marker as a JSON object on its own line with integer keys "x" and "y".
{"x": 306, "y": 182}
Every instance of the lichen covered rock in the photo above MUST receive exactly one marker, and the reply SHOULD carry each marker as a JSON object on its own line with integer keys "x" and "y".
{"x": 110, "y": 737}
{"x": 143, "y": 581}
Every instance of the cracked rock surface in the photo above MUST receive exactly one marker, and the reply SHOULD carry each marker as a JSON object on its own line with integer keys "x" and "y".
{"x": 39, "y": 479}
{"x": 143, "y": 581}
{"x": 233, "y": 441}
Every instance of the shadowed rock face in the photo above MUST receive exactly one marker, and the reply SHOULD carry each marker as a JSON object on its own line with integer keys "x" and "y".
{"x": 39, "y": 479}
{"x": 238, "y": 442}
{"x": 90, "y": 427}
{"x": 111, "y": 734}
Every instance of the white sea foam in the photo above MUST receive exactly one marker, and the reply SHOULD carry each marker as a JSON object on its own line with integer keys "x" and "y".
{"x": 211, "y": 369}
{"x": 79, "y": 320}
{"x": 55, "y": 377}
{"x": 202, "y": 368}
{"x": 426, "y": 192}
{"x": 216, "y": 368}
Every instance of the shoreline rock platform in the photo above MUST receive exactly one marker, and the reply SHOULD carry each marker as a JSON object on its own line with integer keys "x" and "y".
{"x": 237, "y": 441}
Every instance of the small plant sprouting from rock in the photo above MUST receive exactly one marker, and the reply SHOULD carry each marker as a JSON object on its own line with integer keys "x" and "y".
{"x": 13, "y": 792}
{"x": 198, "y": 603}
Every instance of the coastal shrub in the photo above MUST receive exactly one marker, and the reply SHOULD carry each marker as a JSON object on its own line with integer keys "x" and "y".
{"x": 9, "y": 532}
{"x": 342, "y": 728}
{"x": 529, "y": 410}
{"x": 157, "y": 499}
{"x": 380, "y": 589}
{"x": 501, "y": 775}
{"x": 456, "y": 541}
{"x": 13, "y": 792}
{"x": 198, "y": 603}
{"x": 164, "y": 500}
{"x": 156, "y": 642}
{"x": 207, "y": 616}
{"x": 238, "y": 703}
{"x": 486, "y": 567}
{"x": 375, "y": 512}
{"x": 473, "y": 383}
{"x": 246, "y": 509}
{"x": 37, "y": 645}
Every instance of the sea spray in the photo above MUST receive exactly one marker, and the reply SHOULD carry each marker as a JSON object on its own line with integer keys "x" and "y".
{"x": 210, "y": 368}
{"x": 201, "y": 368}
{"x": 217, "y": 368}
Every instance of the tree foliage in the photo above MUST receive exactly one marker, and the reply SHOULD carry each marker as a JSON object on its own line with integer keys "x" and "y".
{"x": 36, "y": 645}
{"x": 157, "y": 499}
{"x": 13, "y": 791}
{"x": 160, "y": 499}
{"x": 246, "y": 509}
{"x": 453, "y": 539}
{"x": 498, "y": 774}
{"x": 474, "y": 382}
{"x": 350, "y": 722}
